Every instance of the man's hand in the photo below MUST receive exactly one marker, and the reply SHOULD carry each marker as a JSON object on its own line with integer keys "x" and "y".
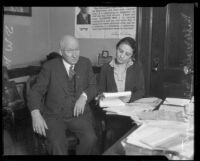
{"x": 80, "y": 105}
{"x": 39, "y": 124}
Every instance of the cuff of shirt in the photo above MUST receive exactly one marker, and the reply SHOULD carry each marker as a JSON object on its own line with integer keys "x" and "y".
{"x": 84, "y": 94}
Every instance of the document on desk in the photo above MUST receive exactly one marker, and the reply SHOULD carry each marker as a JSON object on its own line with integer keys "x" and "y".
{"x": 176, "y": 101}
{"x": 129, "y": 110}
{"x": 113, "y": 99}
{"x": 153, "y": 101}
{"x": 158, "y": 135}
{"x": 171, "y": 108}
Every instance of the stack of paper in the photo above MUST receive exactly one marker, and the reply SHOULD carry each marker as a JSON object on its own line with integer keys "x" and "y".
{"x": 162, "y": 115}
{"x": 176, "y": 101}
{"x": 163, "y": 135}
{"x": 113, "y": 99}
{"x": 171, "y": 108}
{"x": 153, "y": 101}
{"x": 161, "y": 138}
{"x": 115, "y": 106}
{"x": 132, "y": 110}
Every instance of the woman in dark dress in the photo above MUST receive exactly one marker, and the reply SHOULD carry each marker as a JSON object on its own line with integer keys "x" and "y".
{"x": 123, "y": 73}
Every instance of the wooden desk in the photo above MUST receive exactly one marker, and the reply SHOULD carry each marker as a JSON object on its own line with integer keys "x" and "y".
{"x": 118, "y": 149}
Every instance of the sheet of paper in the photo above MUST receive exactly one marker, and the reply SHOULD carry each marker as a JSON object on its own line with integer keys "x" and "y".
{"x": 127, "y": 110}
{"x": 142, "y": 131}
{"x": 160, "y": 137}
{"x": 112, "y": 99}
{"x": 171, "y": 108}
{"x": 176, "y": 101}
{"x": 116, "y": 94}
{"x": 150, "y": 127}
{"x": 154, "y": 101}
{"x": 110, "y": 102}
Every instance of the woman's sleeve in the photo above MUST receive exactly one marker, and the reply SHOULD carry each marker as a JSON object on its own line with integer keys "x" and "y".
{"x": 139, "y": 91}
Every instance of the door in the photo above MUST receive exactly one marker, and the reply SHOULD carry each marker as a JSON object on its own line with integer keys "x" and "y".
{"x": 171, "y": 49}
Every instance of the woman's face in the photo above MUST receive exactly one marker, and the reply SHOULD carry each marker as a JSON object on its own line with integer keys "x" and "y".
{"x": 124, "y": 53}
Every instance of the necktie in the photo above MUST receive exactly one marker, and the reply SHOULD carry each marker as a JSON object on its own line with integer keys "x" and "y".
{"x": 71, "y": 72}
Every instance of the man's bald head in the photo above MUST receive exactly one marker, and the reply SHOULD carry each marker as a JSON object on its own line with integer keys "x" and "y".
{"x": 69, "y": 42}
{"x": 70, "y": 49}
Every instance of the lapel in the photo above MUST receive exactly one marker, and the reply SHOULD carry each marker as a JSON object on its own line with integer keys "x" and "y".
{"x": 114, "y": 85}
{"x": 129, "y": 80}
{"x": 62, "y": 76}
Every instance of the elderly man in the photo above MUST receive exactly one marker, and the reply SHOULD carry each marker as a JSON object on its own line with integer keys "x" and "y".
{"x": 68, "y": 85}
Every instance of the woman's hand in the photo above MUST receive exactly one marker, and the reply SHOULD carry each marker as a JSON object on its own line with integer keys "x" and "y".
{"x": 125, "y": 99}
{"x": 99, "y": 97}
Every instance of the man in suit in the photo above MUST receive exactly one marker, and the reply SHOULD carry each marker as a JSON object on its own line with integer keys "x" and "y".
{"x": 68, "y": 85}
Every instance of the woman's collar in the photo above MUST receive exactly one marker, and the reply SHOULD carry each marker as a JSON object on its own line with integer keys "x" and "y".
{"x": 113, "y": 64}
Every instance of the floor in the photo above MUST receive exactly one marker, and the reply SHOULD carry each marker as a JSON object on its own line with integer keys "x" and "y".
{"x": 20, "y": 139}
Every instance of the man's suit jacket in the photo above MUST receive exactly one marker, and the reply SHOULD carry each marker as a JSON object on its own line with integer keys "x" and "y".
{"x": 134, "y": 80}
{"x": 52, "y": 82}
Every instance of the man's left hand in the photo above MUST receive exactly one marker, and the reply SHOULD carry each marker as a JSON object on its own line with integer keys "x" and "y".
{"x": 80, "y": 105}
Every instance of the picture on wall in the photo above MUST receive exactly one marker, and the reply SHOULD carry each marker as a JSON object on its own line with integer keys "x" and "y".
{"x": 21, "y": 11}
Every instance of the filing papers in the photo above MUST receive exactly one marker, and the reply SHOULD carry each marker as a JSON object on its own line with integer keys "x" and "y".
{"x": 153, "y": 101}
{"x": 171, "y": 108}
{"x": 163, "y": 115}
{"x": 113, "y": 99}
{"x": 111, "y": 102}
{"x": 116, "y": 94}
{"x": 162, "y": 135}
{"x": 114, "y": 106}
{"x": 129, "y": 109}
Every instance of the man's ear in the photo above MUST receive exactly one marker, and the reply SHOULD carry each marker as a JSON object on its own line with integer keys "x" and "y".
{"x": 60, "y": 52}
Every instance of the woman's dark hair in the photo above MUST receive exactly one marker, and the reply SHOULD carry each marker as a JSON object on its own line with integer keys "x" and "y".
{"x": 131, "y": 42}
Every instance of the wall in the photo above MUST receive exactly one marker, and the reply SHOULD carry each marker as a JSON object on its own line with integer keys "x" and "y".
{"x": 62, "y": 22}
{"x": 34, "y": 37}
{"x": 28, "y": 37}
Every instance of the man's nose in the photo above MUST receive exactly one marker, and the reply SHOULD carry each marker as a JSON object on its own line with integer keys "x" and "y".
{"x": 74, "y": 55}
{"x": 122, "y": 55}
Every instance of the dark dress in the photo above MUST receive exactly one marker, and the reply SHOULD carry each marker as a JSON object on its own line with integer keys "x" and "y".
{"x": 117, "y": 126}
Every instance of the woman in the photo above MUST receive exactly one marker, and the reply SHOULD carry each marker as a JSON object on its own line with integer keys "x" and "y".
{"x": 123, "y": 73}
